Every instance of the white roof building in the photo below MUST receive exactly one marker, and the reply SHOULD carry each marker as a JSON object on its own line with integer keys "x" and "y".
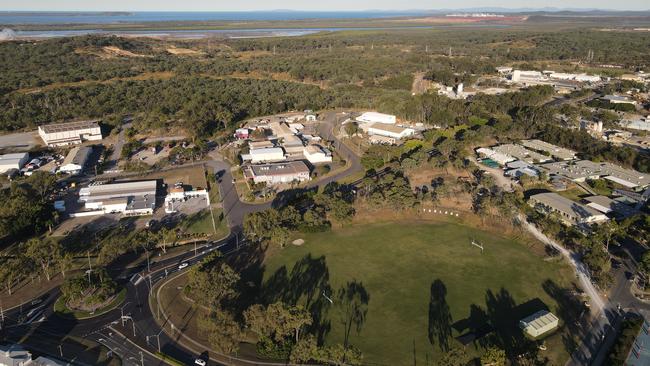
{"x": 375, "y": 117}
{"x": 641, "y": 123}
{"x": 70, "y": 133}
{"x": 277, "y": 173}
{"x": 76, "y": 160}
{"x": 607, "y": 205}
{"x": 504, "y": 69}
{"x": 130, "y": 198}
{"x": 539, "y": 323}
{"x": 500, "y": 158}
{"x": 280, "y": 129}
{"x": 13, "y": 161}
{"x": 266, "y": 154}
{"x": 570, "y": 212}
{"x": 14, "y": 355}
{"x": 619, "y": 99}
{"x": 588, "y": 78}
{"x": 388, "y": 130}
{"x": 581, "y": 170}
{"x": 522, "y": 75}
{"x": 521, "y": 153}
{"x": 555, "y": 151}
{"x": 316, "y": 154}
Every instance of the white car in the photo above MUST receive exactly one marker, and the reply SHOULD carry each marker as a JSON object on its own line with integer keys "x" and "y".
{"x": 200, "y": 362}
{"x": 183, "y": 265}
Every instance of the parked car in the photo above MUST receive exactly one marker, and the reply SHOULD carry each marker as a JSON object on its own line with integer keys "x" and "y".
{"x": 200, "y": 362}
{"x": 183, "y": 265}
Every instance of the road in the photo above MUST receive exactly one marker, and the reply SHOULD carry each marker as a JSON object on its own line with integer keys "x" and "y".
{"x": 235, "y": 209}
{"x": 131, "y": 331}
{"x": 126, "y": 338}
{"x": 117, "y": 148}
{"x": 606, "y": 317}
{"x": 562, "y": 100}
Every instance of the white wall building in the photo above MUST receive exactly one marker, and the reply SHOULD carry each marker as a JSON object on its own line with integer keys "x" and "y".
{"x": 504, "y": 69}
{"x": 76, "y": 160}
{"x": 522, "y": 76}
{"x": 555, "y": 151}
{"x": 70, "y": 133}
{"x": 277, "y": 173}
{"x": 570, "y": 212}
{"x": 387, "y": 130}
{"x": 316, "y": 154}
{"x": 13, "y": 161}
{"x": 129, "y": 198}
{"x": 14, "y": 355}
{"x": 619, "y": 99}
{"x": 375, "y": 117}
{"x": 267, "y": 154}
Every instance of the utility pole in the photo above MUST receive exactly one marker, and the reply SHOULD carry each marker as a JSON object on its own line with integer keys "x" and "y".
{"x": 157, "y": 337}
{"x": 90, "y": 268}
{"x": 141, "y": 358}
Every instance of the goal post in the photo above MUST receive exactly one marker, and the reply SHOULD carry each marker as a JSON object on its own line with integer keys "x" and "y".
{"x": 476, "y": 243}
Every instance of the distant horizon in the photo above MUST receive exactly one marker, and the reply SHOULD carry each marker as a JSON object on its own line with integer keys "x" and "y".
{"x": 330, "y": 6}
{"x": 424, "y": 10}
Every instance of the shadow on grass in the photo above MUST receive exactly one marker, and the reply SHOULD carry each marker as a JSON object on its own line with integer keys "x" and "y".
{"x": 307, "y": 283}
{"x": 352, "y": 300}
{"x": 498, "y": 324}
{"x": 570, "y": 306}
{"x": 439, "y": 316}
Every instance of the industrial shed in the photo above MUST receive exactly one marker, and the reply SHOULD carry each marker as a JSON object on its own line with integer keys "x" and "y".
{"x": 76, "y": 160}
{"x": 12, "y": 161}
{"x": 70, "y": 133}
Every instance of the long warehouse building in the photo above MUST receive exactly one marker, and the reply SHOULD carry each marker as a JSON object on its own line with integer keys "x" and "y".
{"x": 129, "y": 198}
{"x": 70, "y": 133}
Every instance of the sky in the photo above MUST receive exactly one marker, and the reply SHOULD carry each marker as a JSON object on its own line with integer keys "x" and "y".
{"x": 330, "y": 5}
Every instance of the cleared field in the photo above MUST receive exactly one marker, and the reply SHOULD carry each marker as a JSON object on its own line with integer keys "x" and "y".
{"x": 423, "y": 285}
{"x": 193, "y": 176}
{"x": 201, "y": 223}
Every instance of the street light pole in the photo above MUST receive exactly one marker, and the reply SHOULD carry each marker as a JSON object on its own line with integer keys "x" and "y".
{"x": 122, "y": 312}
{"x": 90, "y": 268}
{"x": 60, "y": 351}
{"x": 141, "y": 358}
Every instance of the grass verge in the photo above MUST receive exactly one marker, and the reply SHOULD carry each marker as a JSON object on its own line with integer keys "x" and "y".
{"x": 62, "y": 309}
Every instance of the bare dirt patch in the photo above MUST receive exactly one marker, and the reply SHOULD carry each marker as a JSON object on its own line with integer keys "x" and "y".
{"x": 184, "y": 51}
{"x": 420, "y": 85}
{"x": 422, "y": 177}
{"x": 193, "y": 176}
{"x": 112, "y": 50}
{"x": 144, "y": 76}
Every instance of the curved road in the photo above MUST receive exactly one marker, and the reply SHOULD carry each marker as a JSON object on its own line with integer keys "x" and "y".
{"x": 131, "y": 331}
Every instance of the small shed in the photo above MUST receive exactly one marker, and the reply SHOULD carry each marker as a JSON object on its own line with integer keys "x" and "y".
{"x": 539, "y": 323}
